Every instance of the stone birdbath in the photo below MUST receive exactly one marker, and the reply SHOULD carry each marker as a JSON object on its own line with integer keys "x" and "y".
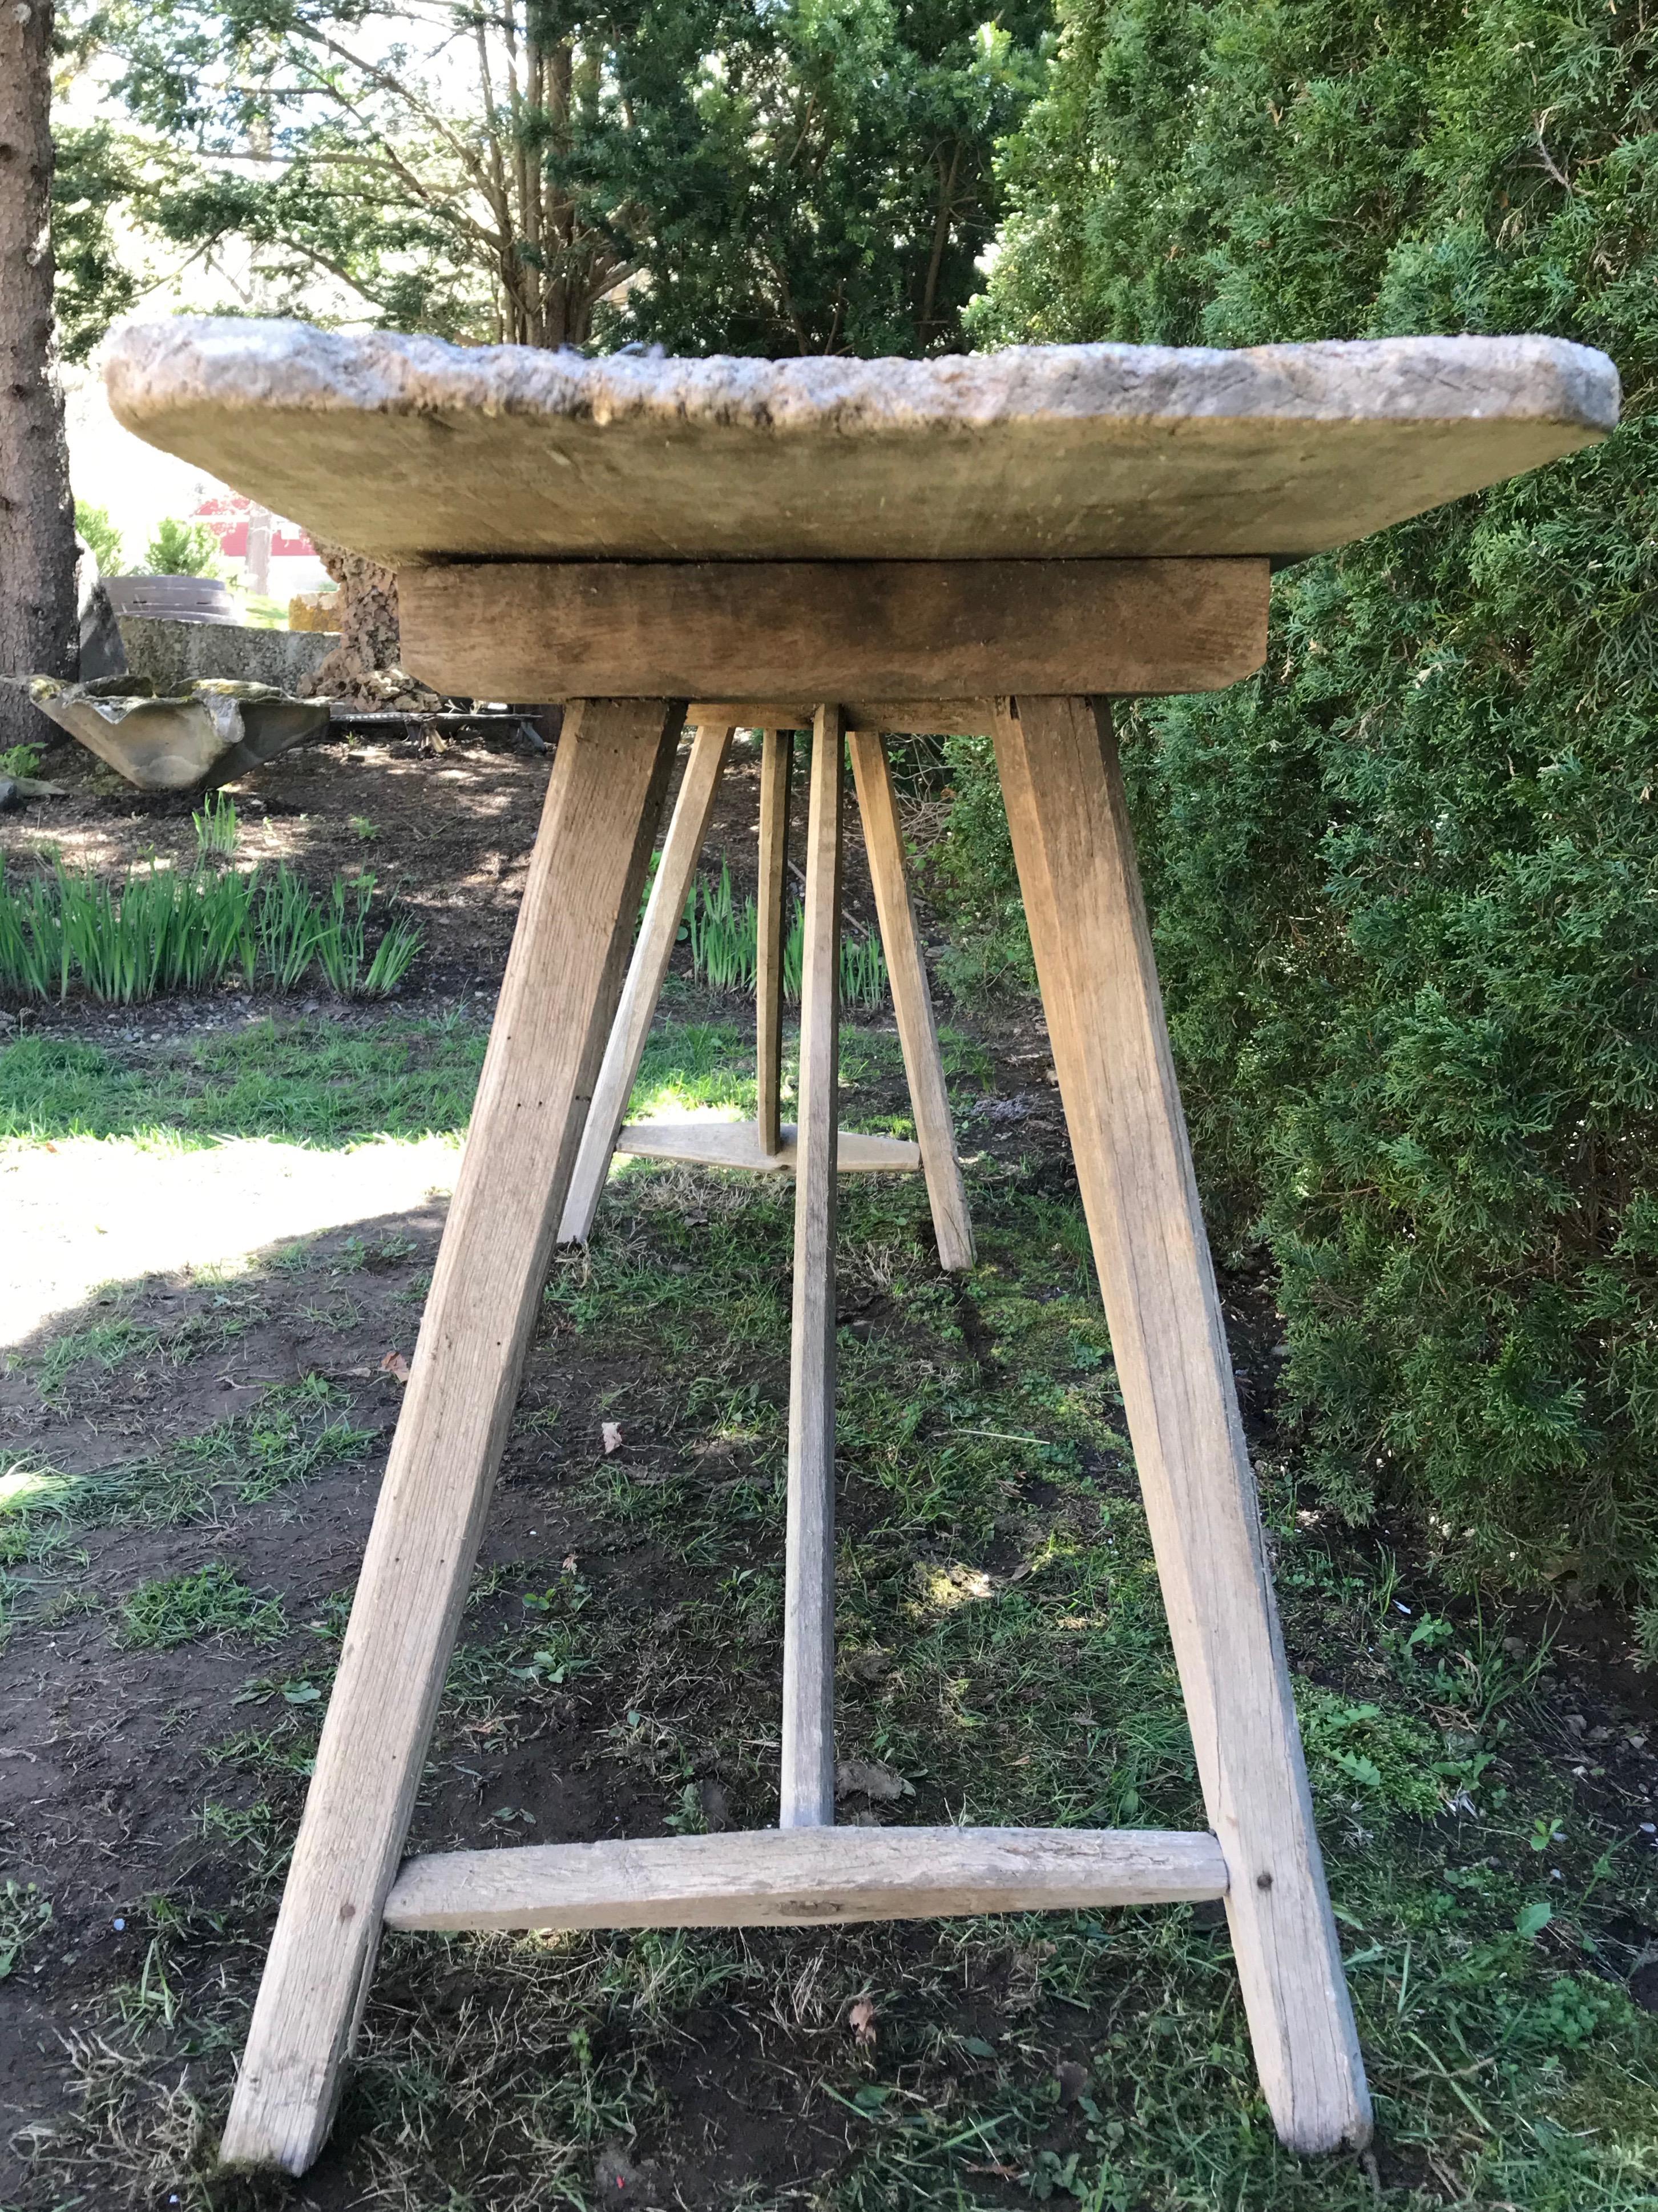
{"x": 216, "y": 730}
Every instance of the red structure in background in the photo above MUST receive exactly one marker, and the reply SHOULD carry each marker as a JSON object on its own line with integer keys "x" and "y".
{"x": 226, "y": 515}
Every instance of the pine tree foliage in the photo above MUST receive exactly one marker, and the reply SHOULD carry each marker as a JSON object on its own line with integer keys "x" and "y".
{"x": 750, "y": 176}
{"x": 1405, "y": 883}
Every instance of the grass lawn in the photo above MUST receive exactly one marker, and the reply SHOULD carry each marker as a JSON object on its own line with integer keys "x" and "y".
{"x": 187, "y": 1474}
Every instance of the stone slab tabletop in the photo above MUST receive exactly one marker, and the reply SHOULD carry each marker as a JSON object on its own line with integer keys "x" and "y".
{"x": 415, "y": 450}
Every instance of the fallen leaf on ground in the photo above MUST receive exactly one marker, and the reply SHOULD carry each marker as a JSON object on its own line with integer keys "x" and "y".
{"x": 395, "y": 1364}
{"x": 613, "y": 1436}
{"x": 867, "y": 1777}
{"x": 1073, "y": 2079}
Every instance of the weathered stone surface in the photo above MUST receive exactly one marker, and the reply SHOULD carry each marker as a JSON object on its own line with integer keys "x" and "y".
{"x": 174, "y": 655}
{"x": 365, "y": 668}
{"x": 412, "y": 450}
{"x": 213, "y": 732}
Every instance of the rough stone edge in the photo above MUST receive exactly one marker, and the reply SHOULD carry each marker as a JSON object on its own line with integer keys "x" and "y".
{"x": 157, "y": 372}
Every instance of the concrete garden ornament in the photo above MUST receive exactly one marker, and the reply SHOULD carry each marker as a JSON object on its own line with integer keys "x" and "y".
{"x": 216, "y": 730}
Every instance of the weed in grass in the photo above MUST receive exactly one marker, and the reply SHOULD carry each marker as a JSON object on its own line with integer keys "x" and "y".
{"x": 546, "y": 1652}
{"x": 160, "y": 930}
{"x": 20, "y": 760}
{"x": 116, "y": 1344}
{"x": 288, "y": 925}
{"x": 151, "y": 2001}
{"x": 373, "y": 1255}
{"x": 723, "y": 937}
{"x": 214, "y": 1601}
{"x": 339, "y": 1317}
{"x": 1390, "y": 1761}
{"x": 24, "y": 1914}
{"x": 341, "y": 947}
{"x": 108, "y": 1345}
{"x": 291, "y": 1434}
{"x": 248, "y": 1835}
{"x": 217, "y": 826}
{"x": 279, "y": 1747}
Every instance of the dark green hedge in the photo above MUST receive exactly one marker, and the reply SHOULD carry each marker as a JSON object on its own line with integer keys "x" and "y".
{"x": 1405, "y": 883}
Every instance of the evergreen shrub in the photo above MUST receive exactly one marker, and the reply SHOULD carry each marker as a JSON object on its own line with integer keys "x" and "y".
{"x": 1405, "y": 883}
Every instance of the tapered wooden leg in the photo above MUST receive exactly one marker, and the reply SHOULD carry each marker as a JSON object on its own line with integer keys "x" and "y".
{"x": 808, "y": 1782}
{"x": 1076, "y": 861}
{"x": 560, "y": 988}
{"x": 647, "y": 970}
{"x": 776, "y": 760}
{"x": 912, "y": 1001}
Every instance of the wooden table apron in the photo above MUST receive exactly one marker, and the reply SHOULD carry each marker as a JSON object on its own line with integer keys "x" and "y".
{"x": 1074, "y": 851}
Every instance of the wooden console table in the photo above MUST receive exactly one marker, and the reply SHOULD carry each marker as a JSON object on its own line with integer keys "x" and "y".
{"x": 994, "y": 543}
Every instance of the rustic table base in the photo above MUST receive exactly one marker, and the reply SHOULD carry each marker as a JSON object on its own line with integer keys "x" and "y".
{"x": 558, "y": 1005}
{"x": 767, "y": 1142}
{"x": 913, "y": 540}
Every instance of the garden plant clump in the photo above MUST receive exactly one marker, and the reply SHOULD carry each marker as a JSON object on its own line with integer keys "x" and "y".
{"x": 723, "y": 938}
{"x": 166, "y": 931}
{"x": 1401, "y": 881}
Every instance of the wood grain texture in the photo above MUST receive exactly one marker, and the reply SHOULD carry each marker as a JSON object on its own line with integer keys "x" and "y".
{"x": 911, "y": 1000}
{"x": 809, "y": 1876}
{"x": 675, "y": 871}
{"x": 1074, "y": 849}
{"x": 938, "y": 718}
{"x": 776, "y": 766}
{"x": 807, "y": 1765}
{"x": 919, "y": 628}
{"x": 562, "y": 980}
{"x": 740, "y": 1144}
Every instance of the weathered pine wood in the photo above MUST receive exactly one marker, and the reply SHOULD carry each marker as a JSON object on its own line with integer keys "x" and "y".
{"x": 919, "y": 628}
{"x": 772, "y": 1878}
{"x": 740, "y": 1144}
{"x": 808, "y": 1767}
{"x": 675, "y": 871}
{"x": 939, "y": 718}
{"x": 561, "y": 987}
{"x": 1074, "y": 849}
{"x": 911, "y": 1000}
{"x": 776, "y": 763}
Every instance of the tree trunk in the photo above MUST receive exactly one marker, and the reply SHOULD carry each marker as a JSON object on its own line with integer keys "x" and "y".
{"x": 39, "y": 631}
